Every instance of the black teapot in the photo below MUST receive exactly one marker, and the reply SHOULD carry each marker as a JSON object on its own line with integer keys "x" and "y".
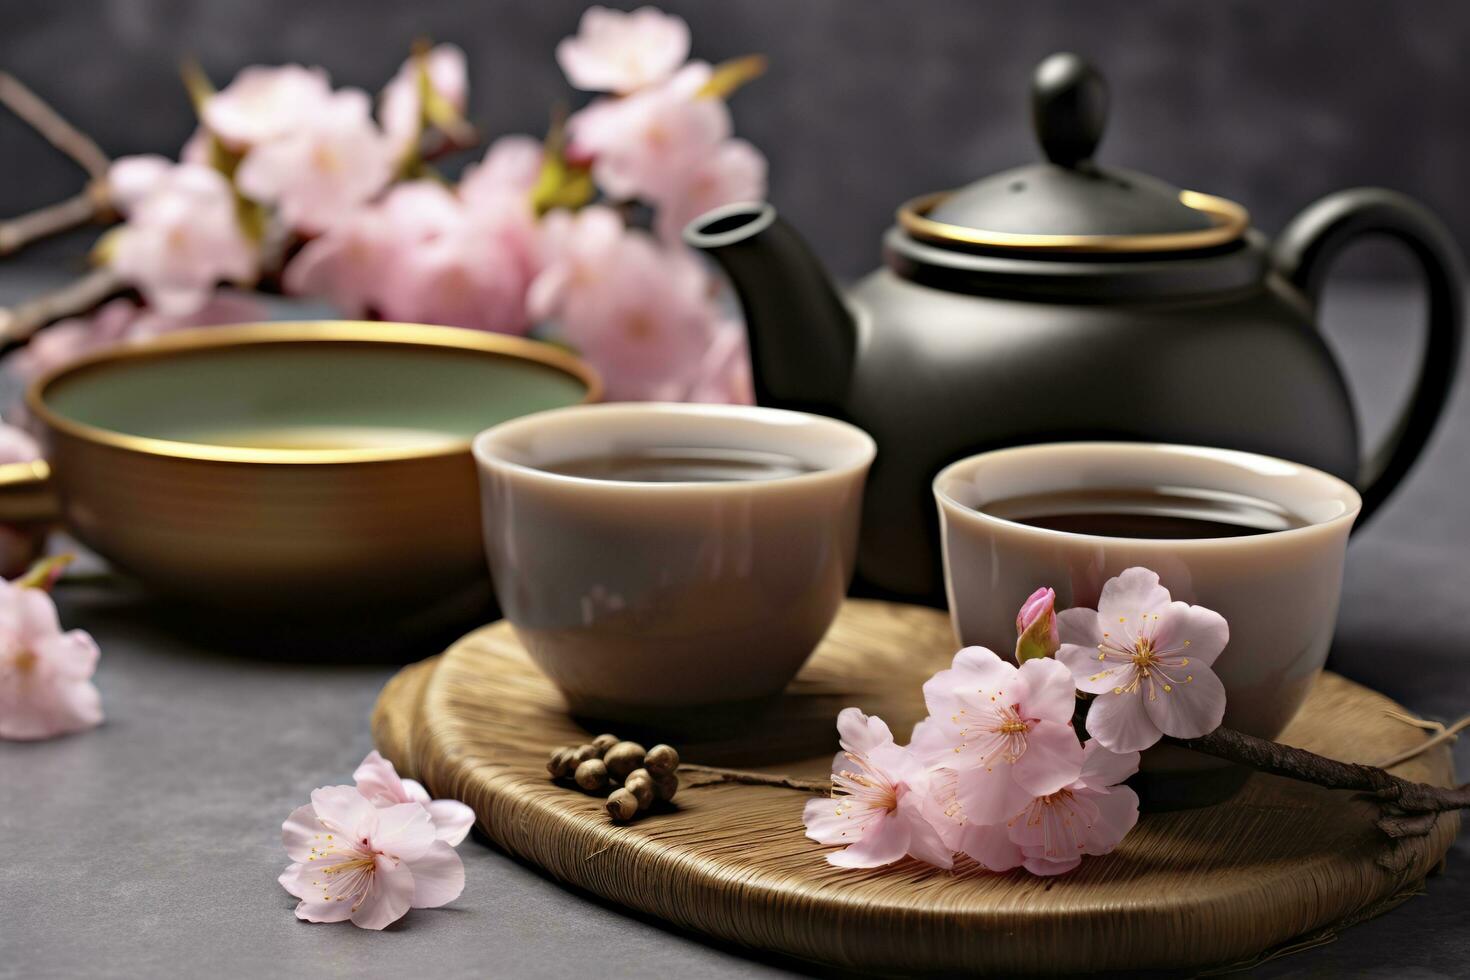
{"x": 1066, "y": 300}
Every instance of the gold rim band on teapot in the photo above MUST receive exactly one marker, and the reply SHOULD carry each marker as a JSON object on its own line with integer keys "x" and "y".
{"x": 1230, "y": 220}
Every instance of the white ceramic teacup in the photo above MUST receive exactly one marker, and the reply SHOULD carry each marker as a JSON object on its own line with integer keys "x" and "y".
{"x": 655, "y": 602}
{"x": 1277, "y": 589}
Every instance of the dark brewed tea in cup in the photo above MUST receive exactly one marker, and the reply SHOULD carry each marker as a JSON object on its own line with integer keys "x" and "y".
{"x": 1161, "y": 514}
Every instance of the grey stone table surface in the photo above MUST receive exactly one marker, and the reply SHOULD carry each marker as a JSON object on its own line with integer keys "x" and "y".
{"x": 150, "y": 846}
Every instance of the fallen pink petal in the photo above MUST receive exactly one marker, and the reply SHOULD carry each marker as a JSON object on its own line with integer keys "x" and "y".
{"x": 358, "y": 862}
{"x": 46, "y": 685}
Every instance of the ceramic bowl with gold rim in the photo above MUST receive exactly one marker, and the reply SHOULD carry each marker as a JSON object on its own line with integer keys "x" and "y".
{"x": 290, "y": 466}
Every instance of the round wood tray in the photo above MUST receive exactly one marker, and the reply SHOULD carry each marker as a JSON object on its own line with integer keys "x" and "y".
{"x": 1280, "y": 864}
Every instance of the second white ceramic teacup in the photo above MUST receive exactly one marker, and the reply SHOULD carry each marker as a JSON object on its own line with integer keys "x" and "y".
{"x": 1278, "y": 589}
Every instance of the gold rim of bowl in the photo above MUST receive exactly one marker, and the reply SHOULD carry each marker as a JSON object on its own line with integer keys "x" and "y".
{"x": 302, "y": 331}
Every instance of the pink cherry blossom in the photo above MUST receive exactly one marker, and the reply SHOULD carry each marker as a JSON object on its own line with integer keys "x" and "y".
{"x": 182, "y": 236}
{"x": 723, "y": 376}
{"x": 456, "y": 265}
{"x": 197, "y": 149}
{"x": 267, "y": 103}
{"x": 509, "y": 170}
{"x": 377, "y": 780}
{"x": 68, "y": 340}
{"x": 224, "y": 307}
{"x": 622, "y": 52}
{"x": 131, "y": 179}
{"x": 1051, "y": 833}
{"x": 346, "y": 265}
{"x": 1006, "y": 731}
{"x": 353, "y": 860}
{"x": 1091, "y": 816}
{"x": 731, "y": 172}
{"x": 576, "y": 254}
{"x": 121, "y": 321}
{"x": 646, "y": 143}
{"x": 46, "y": 684}
{"x": 424, "y": 255}
{"x": 1036, "y": 626}
{"x": 401, "y": 103}
{"x": 1148, "y": 659}
{"x": 644, "y": 321}
{"x": 318, "y": 173}
{"x": 881, "y": 805}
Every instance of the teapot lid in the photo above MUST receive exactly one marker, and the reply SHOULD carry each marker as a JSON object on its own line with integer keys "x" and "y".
{"x": 1069, "y": 203}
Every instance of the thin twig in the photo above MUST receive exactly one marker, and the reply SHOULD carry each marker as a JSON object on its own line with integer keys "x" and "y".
{"x": 49, "y": 123}
{"x": 1421, "y": 723}
{"x": 91, "y": 204}
{"x": 88, "y": 206}
{"x": 18, "y": 322}
{"x": 718, "y": 774}
{"x": 1441, "y": 736}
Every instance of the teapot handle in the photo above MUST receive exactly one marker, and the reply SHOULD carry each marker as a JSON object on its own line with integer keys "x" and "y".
{"x": 1304, "y": 255}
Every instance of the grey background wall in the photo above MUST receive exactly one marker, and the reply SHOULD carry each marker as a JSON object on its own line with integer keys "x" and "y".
{"x": 866, "y": 101}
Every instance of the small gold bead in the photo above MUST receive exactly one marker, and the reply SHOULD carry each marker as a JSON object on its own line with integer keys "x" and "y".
{"x": 604, "y": 742}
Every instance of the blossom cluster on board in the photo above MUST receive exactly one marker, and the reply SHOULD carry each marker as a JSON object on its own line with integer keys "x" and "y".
{"x": 997, "y": 770}
{"x": 368, "y": 853}
{"x": 292, "y": 184}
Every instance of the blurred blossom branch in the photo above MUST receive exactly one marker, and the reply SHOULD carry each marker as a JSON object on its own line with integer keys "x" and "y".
{"x": 91, "y": 204}
{"x": 80, "y": 209}
{"x": 49, "y": 123}
{"x": 19, "y": 322}
{"x": 291, "y": 184}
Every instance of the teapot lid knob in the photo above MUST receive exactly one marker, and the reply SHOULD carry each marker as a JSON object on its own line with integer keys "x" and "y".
{"x": 1069, "y": 107}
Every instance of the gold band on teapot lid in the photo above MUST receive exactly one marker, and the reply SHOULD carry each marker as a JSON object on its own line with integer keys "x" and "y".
{"x": 1229, "y": 221}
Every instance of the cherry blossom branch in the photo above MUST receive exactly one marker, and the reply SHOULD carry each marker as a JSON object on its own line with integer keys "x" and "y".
{"x": 90, "y": 204}
{"x": 1414, "y": 799}
{"x": 1419, "y": 803}
{"x": 18, "y": 322}
{"x": 83, "y": 208}
{"x": 717, "y": 774}
{"x": 61, "y": 134}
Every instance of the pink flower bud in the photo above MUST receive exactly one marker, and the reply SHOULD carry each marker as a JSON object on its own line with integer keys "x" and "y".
{"x": 1036, "y": 626}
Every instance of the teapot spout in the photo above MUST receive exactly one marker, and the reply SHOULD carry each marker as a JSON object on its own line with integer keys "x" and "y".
{"x": 802, "y": 335}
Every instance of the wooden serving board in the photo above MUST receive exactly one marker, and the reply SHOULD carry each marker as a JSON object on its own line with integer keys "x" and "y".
{"x": 1279, "y": 864}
